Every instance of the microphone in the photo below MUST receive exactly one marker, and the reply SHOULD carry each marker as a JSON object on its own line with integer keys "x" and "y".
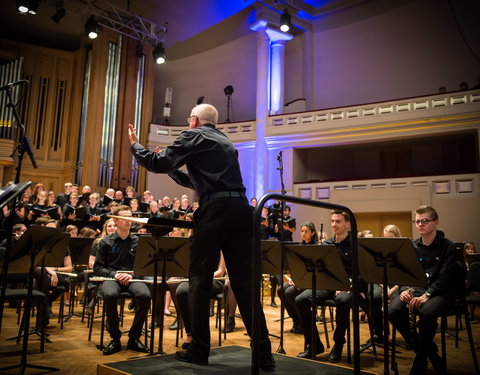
{"x": 279, "y": 157}
{"x": 11, "y": 84}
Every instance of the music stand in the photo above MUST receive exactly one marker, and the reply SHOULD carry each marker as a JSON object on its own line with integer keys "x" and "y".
{"x": 8, "y": 196}
{"x": 36, "y": 243}
{"x": 173, "y": 254}
{"x": 80, "y": 253}
{"x": 389, "y": 261}
{"x": 270, "y": 263}
{"x": 316, "y": 267}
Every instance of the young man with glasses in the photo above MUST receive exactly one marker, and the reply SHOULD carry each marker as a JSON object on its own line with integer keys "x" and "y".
{"x": 438, "y": 258}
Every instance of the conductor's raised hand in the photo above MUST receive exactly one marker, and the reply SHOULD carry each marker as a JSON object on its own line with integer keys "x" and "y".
{"x": 132, "y": 134}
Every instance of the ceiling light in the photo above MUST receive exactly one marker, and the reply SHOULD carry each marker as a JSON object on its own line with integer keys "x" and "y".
{"x": 32, "y": 6}
{"x": 22, "y": 6}
{"x": 159, "y": 54}
{"x": 285, "y": 21}
{"x": 91, "y": 28}
{"x": 59, "y": 14}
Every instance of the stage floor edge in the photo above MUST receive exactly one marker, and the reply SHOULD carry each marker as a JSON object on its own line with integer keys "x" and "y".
{"x": 231, "y": 359}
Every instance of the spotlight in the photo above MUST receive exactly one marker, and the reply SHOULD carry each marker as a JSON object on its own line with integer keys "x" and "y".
{"x": 23, "y": 6}
{"x": 59, "y": 14}
{"x": 32, "y": 6}
{"x": 91, "y": 28}
{"x": 285, "y": 21}
{"x": 228, "y": 90}
{"x": 159, "y": 54}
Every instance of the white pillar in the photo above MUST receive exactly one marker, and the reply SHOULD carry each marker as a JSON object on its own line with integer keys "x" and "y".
{"x": 261, "y": 152}
{"x": 276, "y": 85}
{"x": 270, "y": 57}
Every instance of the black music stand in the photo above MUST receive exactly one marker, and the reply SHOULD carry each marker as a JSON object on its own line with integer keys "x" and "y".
{"x": 389, "y": 261}
{"x": 80, "y": 253}
{"x": 8, "y": 196}
{"x": 270, "y": 263}
{"x": 316, "y": 267}
{"x": 37, "y": 245}
{"x": 173, "y": 254}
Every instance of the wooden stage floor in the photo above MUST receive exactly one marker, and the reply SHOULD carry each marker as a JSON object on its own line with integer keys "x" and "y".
{"x": 73, "y": 354}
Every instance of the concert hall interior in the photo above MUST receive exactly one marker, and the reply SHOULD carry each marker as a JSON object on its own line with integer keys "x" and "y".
{"x": 371, "y": 105}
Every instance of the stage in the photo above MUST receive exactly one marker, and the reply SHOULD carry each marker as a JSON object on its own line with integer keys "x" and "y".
{"x": 223, "y": 360}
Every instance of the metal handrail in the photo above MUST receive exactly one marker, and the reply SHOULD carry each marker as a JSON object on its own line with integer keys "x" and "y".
{"x": 256, "y": 275}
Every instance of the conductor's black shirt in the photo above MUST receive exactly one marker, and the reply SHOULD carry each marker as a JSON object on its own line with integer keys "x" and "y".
{"x": 115, "y": 254}
{"x": 210, "y": 157}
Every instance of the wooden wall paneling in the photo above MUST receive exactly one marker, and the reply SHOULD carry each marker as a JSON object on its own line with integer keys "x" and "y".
{"x": 125, "y": 114}
{"x": 96, "y": 107}
{"x": 147, "y": 110}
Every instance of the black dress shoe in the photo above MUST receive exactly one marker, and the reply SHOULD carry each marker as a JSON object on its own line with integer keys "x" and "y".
{"x": 297, "y": 329}
{"x": 185, "y": 356}
{"x": 437, "y": 362}
{"x": 137, "y": 345}
{"x": 114, "y": 347}
{"x": 273, "y": 304}
{"x": 308, "y": 353}
{"x": 267, "y": 364}
{"x": 336, "y": 353}
{"x": 211, "y": 313}
{"x": 420, "y": 365}
{"x": 185, "y": 345}
{"x": 230, "y": 324}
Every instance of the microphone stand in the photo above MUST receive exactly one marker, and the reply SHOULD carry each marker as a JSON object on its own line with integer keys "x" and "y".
{"x": 282, "y": 256}
{"x": 24, "y": 144}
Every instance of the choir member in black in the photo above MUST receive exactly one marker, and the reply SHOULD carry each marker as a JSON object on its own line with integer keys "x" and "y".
{"x": 95, "y": 213}
{"x": 166, "y": 202}
{"x": 438, "y": 258}
{"x": 288, "y": 226}
{"x": 185, "y": 205}
{"x": 36, "y": 189}
{"x": 118, "y": 196}
{"x": 154, "y": 211}
{"x": 70, "y": 216}
{"x": 21, "y": 210}
{"x": 49, "y": 279}
{"x": 62, "y": 198}
{"x": 85, "y": 197}
{"x": 107, "y": 199}
{"x": 57, "y": 214}
{"x": 116, "y": 253}
{"x": 38, "y": 208}
{"x": 222, "y": 222}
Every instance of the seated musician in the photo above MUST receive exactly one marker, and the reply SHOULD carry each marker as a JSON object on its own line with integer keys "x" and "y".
{"x": 47, "y": 280}
{"x": 116, "y": 253}
{"x": 182, "y": 298}
{"x": 290, "y": 291}
{"x": 438, "y": 258}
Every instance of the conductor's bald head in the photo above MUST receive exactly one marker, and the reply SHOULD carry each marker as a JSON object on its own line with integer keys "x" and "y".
{"x": 205, "y": 113}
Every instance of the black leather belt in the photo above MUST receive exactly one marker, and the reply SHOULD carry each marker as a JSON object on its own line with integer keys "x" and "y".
{"x": 223, "y": 194}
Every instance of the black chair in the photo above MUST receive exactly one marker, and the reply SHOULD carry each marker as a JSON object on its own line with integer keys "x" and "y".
{"x": 37, "y": 299}
{"x": 473, "y": 285}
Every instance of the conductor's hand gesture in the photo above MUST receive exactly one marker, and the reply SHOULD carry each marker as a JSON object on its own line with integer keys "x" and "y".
{"x": 132, "y": 134}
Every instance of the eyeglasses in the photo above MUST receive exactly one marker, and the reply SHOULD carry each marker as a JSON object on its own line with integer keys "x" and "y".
{"x": 423, "y": 221}
{"x": 190, "y": 117}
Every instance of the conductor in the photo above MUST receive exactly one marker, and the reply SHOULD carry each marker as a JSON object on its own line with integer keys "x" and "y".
{"x": 222, "y": 222}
